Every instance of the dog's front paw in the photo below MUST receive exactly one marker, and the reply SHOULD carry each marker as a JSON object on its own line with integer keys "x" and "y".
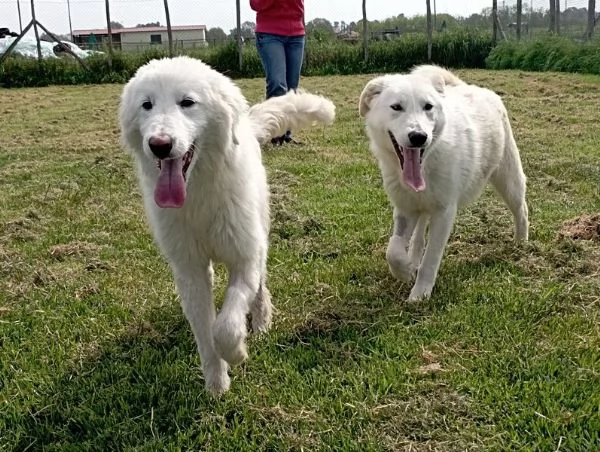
{"x": 229, "y": 339}
{"x": 399, "y": 261}
{"x": 216, "y": 380}
{"x": 404, "y": 271}
{"x": 419, "y": 293}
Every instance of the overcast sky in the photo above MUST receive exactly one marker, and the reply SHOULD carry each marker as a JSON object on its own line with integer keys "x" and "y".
{"x": 212, "y": 13}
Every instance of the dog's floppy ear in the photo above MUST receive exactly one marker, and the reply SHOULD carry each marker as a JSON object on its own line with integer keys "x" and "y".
{"x": 234, "y": 137}
{"x": 369, "y": 93}
{"x": 130, "y": 137}
{"x": 439, "y": 83}
{"x": 236, "y": 105}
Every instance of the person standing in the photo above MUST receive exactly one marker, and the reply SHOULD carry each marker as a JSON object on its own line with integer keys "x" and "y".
{"x": 280, "y": 37}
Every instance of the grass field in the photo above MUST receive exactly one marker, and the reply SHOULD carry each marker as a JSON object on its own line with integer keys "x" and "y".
{"x": 95, "y": 353}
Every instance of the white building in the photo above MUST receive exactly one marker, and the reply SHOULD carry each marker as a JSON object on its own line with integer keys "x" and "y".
{"x": 138, "y": 39}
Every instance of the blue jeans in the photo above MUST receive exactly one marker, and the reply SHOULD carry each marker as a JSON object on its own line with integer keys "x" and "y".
{"x": 281, "y": 57}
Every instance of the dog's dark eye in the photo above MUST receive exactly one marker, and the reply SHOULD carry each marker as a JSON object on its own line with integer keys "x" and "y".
{"x": 428, "y": 107}
{"x": 396, "y": 107}
{"x": 147, "y": 105}
{"x": 185, "y": 103}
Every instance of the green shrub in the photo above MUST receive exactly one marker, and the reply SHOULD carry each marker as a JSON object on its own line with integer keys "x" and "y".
{"x": 461, "y": 49}
{"x": 551, "y": 53}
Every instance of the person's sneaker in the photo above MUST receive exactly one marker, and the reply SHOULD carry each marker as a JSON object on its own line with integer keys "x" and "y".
{"x": 291, "y": 140}
{"x": 277, "y": 141}
{"x": 288, "y": 138}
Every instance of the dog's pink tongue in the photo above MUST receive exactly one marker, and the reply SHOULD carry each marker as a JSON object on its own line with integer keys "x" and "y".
{"x": 411, "y": 172}
{"x": 170, "y": 188}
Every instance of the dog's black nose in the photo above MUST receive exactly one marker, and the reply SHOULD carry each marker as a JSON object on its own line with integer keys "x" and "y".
{"x": 417, "y": 139}
{"x": 161, "y": 145}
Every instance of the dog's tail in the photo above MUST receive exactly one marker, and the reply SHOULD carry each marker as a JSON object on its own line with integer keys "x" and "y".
{"x": 292, "y": 111}
{"x": 434, "y": 73}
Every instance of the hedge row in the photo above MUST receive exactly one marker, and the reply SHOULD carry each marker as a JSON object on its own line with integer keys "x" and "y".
{"x": 464, "y": 49}
{"x": 550, "y": 53}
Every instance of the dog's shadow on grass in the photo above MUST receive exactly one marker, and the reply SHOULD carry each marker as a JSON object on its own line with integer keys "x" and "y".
{"x": 378, "y": 297}
{"x": 146, "y": 383}
{"x": 374, "y": 300}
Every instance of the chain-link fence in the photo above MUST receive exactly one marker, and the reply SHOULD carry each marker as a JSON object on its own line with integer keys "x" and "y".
{"x": 138, "y": 25}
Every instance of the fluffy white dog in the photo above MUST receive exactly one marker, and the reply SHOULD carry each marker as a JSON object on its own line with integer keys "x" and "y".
{"x": 438, "y": 141}
{"x": 196, "y": 144}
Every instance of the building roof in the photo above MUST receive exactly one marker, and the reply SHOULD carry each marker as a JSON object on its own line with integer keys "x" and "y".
{"x": 104, "y": 31}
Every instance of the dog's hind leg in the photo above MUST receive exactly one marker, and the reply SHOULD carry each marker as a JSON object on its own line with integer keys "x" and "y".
{"x": 397, "y": 257}
{"x": 262, "y": 309}
{"x": 417, "y": 242}
{"x": 510, "y": 182}
{"x": 230, "y": 326}
{"x": 195, "y": 290}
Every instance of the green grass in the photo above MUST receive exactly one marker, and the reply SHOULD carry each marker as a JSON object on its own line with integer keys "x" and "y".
{"x": 95, "y": 353}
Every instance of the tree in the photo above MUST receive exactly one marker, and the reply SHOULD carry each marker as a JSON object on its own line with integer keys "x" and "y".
{"x": 149, "y": 24}
{"x": 115, "y": 25}
{"x": 216, "y": 36}
{"x": 247, "y": 30}
{"x": 46, "y": 37}
{"x": 320, "y": 30}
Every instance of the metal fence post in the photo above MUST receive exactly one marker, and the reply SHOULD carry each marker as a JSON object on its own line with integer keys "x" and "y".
{"x": 109, "y": 30}
{"x": 591, "y": 22}
{"x": 19, "y": 12}
{"x": 495, "y": 21}
{"x": 365, "y": 32}
{"x": 169, "y": 29}
{"x": 519, "y": 18}
{"x": 36, "y": 32}
{"x": 429, "y": 30}
{"x": 239, "y": 35}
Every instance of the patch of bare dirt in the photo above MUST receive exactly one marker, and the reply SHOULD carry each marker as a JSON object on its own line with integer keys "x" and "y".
{"x": 585, "y": 227}
{"x": 73, "y": 249}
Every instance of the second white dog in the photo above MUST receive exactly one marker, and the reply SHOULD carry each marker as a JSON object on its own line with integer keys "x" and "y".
{"x": 196, "y": 146}
{"x": 438, "y": 141}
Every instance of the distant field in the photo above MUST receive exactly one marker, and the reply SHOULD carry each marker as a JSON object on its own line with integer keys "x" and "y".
{"x": 95, "y": 353}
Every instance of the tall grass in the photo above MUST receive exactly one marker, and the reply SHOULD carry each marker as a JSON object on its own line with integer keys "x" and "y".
{"x": 464, "y": 49}
{"x": 551, "y": 53}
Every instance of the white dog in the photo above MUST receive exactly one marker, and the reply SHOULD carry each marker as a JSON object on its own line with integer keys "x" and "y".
{"x": 196, "y": 146}
{"x": 438, "y": 141}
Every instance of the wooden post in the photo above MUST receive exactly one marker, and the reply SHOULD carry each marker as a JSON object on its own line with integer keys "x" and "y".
{"x": 70, "y": 24}
{"x": 36, "y": 32}
{"x": 519, "y": 18}
{"x": 238, "y": 19}
{"x": 19, "y": 12}
{"x": 552, "y": 13}
{"x": 591, "y": 18}
{"x": 4, "y": 56}
{"x": 495, "y": 21}
{"x": 169, "y": 30}
{"x": 557, "y": 17}
{"x": 68, "y": 49}
{"x": 429, "y": 30}
{"x": 109, "y": 30}
{"x": 365, "y": 32}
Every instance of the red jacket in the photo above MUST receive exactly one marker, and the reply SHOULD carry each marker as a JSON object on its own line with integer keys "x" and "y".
{"x": 279, "y": 17}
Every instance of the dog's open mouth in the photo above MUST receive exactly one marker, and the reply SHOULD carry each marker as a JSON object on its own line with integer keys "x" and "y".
{"x": 170, "y": 188}
{"x": 411, "y": 160}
